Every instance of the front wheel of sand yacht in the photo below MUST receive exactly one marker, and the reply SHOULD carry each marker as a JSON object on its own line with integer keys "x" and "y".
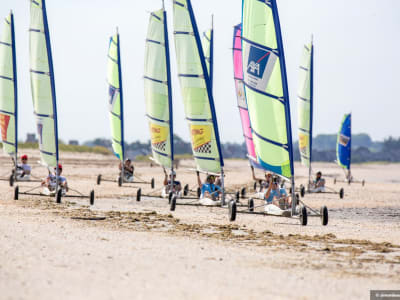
{"x": 302, "y": 191}
{"x": 139, "y": 195}
{"x": 341, "y": 193}
{"x": 59, "y": 196}
{"x": 99, "y": 179}
{"x": 173, "y": 203}
{"x": 91, "y": 197}
{"x": 16, "y": 192}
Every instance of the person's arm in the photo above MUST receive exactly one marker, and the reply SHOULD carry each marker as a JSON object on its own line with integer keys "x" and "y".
{"x": 268, "y": 192}
{"x": 165, "y": 177}
{"x": 254, "y": 175}
{"x": 198, "y": 179}
{"x": 178, "y": 187}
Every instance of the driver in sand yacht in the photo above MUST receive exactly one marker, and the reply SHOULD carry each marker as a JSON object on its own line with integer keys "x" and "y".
{"x": 318, "y": 185}
{"x": 51, "y": 181}
{"x": 208, "y": 189}
{"x": 176, "y": 185}
{"x": 277, "y": 196}
{"x": 23, "y": 169}
{"x": 128, "y": 170}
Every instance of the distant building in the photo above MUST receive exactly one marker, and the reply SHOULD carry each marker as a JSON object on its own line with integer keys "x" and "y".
{"x": 73, "y": 142}
{"x": 31, "y": 138}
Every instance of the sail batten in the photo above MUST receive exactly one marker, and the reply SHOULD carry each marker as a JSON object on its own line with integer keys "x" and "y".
{"x": 265, "y": 87}
{"x": 157, "y": 89}
{"x": 196, "y": 90}
{"x": 43, "y": 87}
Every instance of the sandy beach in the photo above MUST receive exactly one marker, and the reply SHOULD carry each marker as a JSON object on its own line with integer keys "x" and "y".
{"x": 142, "y": 250}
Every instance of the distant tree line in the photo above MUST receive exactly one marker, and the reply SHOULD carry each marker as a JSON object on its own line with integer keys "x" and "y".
{"x": 324, "y": 148}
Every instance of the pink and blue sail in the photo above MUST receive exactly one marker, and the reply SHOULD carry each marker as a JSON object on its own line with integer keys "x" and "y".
{"x": 240, "y": 94}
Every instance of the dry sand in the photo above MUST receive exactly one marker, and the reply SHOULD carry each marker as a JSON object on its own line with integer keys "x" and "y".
{"x": 142, "y": 250}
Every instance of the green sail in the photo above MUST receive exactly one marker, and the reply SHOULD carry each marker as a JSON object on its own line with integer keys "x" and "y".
{"x": 304, "y": 102}
{"x": 115, "y": 97}
{"x": 266, "y": 86}
{"x": 157, "y": 89}
{"x": 196, "y": 90}
{"x": 8, "y": 89}
{"x": 42, "y": 84}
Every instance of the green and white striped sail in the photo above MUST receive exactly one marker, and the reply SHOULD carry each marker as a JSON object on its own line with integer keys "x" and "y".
{"x": 195, "y": 90}
{"x": 207, "y": 45}
{"x": 266, "y": 86}
{"x": 115, "y": 97}
{"x": 305, "y": 106}
{"x": 156, "y": 89}
{"x": 42, "y": 84}
{"x": 8, "y": 109}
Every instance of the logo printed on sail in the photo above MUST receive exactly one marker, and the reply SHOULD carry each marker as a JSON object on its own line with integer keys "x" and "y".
{"x": 4, "y": 121}
{"x": 159, "y": 135}
{"x": 201, "y": 138}
{"x": 258, "y": 59}
{"x": 303, "y": 143}
{"x": 259, "y": 66}
{"x": 113, "y": 94}
{"x": 344, "y": 140}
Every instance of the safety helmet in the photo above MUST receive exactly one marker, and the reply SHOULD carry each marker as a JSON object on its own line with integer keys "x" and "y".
{"x": 24, "y": 157}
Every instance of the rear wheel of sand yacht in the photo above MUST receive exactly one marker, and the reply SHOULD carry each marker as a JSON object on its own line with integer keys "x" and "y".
{"x": 302, "y": 191}
{"x": 170, "y": 195}
{"x": 363, "y": 183}
{"x": 11, "y": 180}
{"x": 232, "y": 210}
{"x": 119, "y": 181}
{"x": 334, "y": 180}
{"x": 237, "y": 196}
{"x": 91, "y": 197}
{"x": 98, "y": 179}
{"x": 139, "y": 195}
{"x": 250, "y": 204}
{"x": 303, "y": 216}
{"x": 341, "y": 193}
{"x": 173, "y": 203}
{"x": 243, "y": 192}
{"x": 324, "y": 215}
{"x": 255, "y": 186}
{"x": 152, "y": 183}
{"x": 186, "y": 190}
{"x": 58, "y": 196}
{"x": 16, "y": 192}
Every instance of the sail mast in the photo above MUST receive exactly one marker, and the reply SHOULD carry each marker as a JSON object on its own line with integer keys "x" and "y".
{"x": 212, "y": 54}
{"x": 171, "y": 119}
{"x": 15, "y": 80}
{"x": 311, "y": 106}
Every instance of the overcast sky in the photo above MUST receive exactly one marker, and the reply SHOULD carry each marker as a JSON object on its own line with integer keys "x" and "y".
{"x": 357, "y": 64}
